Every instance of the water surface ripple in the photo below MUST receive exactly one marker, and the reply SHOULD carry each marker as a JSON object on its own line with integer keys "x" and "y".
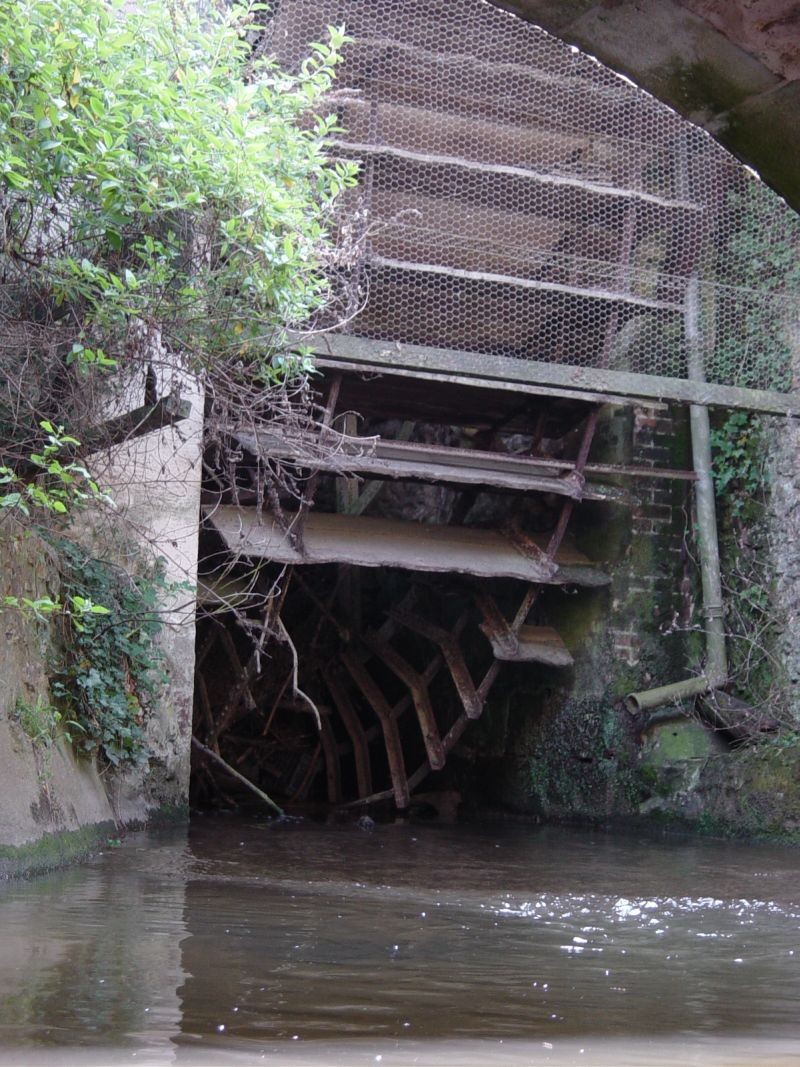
{"x": 250, "y": 942}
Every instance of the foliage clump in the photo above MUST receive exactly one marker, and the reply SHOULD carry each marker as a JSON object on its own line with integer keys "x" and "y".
{"x": 162, "y": 190}
{"x": 109, "y": 664}
{"x": 166, "y": 204}
{"x": 39, "y": 720}
{"x": 740, "y": 447}
{"x": 755, "y": 257}
{"x": 758, "y": 264}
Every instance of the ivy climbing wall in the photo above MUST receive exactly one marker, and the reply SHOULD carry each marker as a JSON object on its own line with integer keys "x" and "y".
{"x": 48, "y": 797}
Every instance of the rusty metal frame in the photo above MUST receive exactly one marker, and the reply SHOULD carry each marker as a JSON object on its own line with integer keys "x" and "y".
{"x": 333, "y": 770}
{"x": 356, "y": 733}
{"x": 391, "y": 735}
{"x": 456, "y": 664}
{"x": 400, "y": 666}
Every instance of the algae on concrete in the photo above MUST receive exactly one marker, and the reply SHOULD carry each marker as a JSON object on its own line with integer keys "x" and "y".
{"x": 53, "y": 850}
{"x": 753, "y": 792}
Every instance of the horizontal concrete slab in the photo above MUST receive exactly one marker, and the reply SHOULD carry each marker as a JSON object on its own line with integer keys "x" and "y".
{"x": 412, "y": 461}
{"x": 533, "y": 372}
{"x": 369, "y": 542}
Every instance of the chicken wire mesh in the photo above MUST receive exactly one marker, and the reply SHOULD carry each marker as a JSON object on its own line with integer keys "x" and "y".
{"x": 518, "y": 198}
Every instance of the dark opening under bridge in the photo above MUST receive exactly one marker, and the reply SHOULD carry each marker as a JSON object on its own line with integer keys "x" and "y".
{"x": 532, "y": 240}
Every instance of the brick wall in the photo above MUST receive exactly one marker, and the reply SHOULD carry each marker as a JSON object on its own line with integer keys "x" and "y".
{"x": 651, "y": 594}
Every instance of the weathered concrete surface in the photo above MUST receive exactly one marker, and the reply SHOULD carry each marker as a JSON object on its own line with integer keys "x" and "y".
{"x": 52, "y": 790}
{"x": 768, "y": 29}
{"x": 729, "y": 65}
{"x": 752, "y": 793}
{"x": 370, "y": 542}
{"x": 155, "y": 482}
{"x": 783, "y": 524}
{"x": 45, "y": 789}
{"x": 53, "y": 806}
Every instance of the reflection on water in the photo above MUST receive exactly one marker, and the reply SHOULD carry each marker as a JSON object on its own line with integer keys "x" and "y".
{"x": 91, "y": 956}
{"x": 298, "y": 943}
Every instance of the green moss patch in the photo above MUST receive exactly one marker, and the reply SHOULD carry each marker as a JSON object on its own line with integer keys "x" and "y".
{"x": 753, "y": 793}
{"x": 54, "y": 850}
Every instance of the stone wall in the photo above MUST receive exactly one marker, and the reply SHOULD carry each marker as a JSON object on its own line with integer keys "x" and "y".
{"x": 729, "y": 65}
{"x": 53, "y": 805}
{"x": 784, "y": 523}
{"x": 45, "y": 793}
{"x": 650, "y": 595}
{"x": 155, "y": 481}
{"x": 560, "y": 744}
{"x": 753, "y": 792}
{"x": 782, "y": 468}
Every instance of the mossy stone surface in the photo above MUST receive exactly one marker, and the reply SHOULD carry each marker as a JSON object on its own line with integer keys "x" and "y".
{"x": 752, "y": 793}
{"x": 680, "y": 739}
{"x": 54, "y": 850}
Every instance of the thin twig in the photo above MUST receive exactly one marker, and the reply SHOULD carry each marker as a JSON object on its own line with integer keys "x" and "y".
{"x": 298, "y": 692}
{"x": 232, "y": 770}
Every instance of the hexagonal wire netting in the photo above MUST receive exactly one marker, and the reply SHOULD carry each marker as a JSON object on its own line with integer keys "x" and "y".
{"x": 518, "y": 198}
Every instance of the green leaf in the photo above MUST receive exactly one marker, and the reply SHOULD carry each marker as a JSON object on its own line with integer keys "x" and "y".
{"x": 15, "y": 181}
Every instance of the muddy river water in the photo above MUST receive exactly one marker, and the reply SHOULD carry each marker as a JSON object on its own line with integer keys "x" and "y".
{"x": 252, "y": 942}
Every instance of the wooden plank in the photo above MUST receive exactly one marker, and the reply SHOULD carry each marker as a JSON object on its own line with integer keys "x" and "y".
{"x": 503, "y": 639}
{"x": 535, "y": 372}
{"x": 504, "y": 99}
{"x": 420, "y": 774}
{"x": 472, "y": 137}
{"x": 428, "y": 675}
{"x": 333, "y": 771}
{"x": 500, "y": 231}
{"x": 451, "y": 738}
{"x": 346, "y": 488}
{"x": 490, "y": 470}
{"x": 241, "y": 677}
{"x": 380, "y": 31}
{"x": 494, "y": 469}
{"x": 509, "y": 461}
{"x": 205, "y": 703}
{"x": 461, "y": 60}
{"x": 310, "y": 488}
{"x": 405, "y": 702}
{"x": 459, "y": 672}
{"x": 369, "y": 542}
{"x": 414, "y": 83}
{"x": 536, "y": 644}
{"x": 372, "y": 489}
{"x": 216, "y": 758}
